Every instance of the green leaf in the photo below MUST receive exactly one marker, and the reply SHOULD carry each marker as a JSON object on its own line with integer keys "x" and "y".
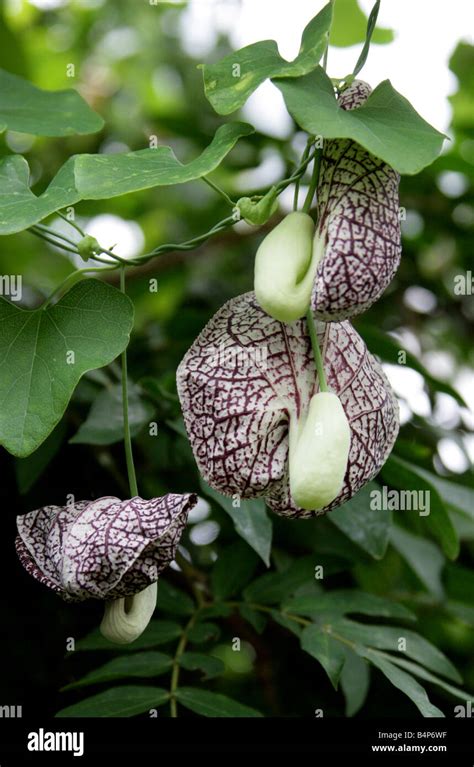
{"x": 29, "y": 470}
{"x": 20, "y": 208}
{"x": 417, "y": 670}
{"x": 368, "y": 528}
{"x": 405, "y": 477}
{"x": 102, "y": 177}
{"x": 389, "y": 348}
{"x": 234, "y": 567}
{"x": 28, "y": 109}
{"x": 349, "y": 26}
{"x": 458, "y": 496}
{"x": 346, "y": 602}
{"x": 229, "y": 83}
{"x": 173, "y": 600}
{"x": 212, "y": 704}
{"x": 256, "y": 619}
{"x": 104, "y": 423}
{"x": 388, "y": 638}
{"x": 99, "y": 177}
{"x": 386, "y": 125}
{"x": 272, "y": 588}
{"x": 210, "y": 665}
{"x": 403, "y": 682}
{"x": 118, "y": 701}
{"x": 423, "y": 557}
{"x": 355, "y": 682}
{"x": 37, "y": 372}
{"x": 250, "y": 519}
{"x": 156, "y": 633}
{"x": 143, "y": 664}
{"x": 204, "y": 632}
{"x": 326, "y": 650}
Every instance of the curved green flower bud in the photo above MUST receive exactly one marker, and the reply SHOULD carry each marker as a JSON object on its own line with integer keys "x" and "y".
{"x": 126, "y": 618}
{"x": 87, "y": 247}
{"x": 319, "y": 452}
{"x": 258, "y": 213}
{"x": 285, "y": 267}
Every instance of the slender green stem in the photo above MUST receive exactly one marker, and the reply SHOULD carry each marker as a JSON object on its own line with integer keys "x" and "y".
{"x": 313, "y": 183}
{"x": 71, "y": 223}
{"x": 72, "y": 278}
{"x": 318, "y": 359}
{"x": 325, "y": 58}
{"x": 189, "y": 244}
{"x": 132, "y": 479}
{"x": 52, "y": 232}
{"x": 43, "y": 236}
{"x": 218, "y": 189}
{"x": 304, "y": 157}
{"x": 176, "y": 664}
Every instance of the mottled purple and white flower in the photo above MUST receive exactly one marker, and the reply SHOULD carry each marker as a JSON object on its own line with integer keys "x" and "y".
{"x": 344, "y": 264}
{"x": 358, "y": 223}
{"x": 105, "y": 549}
{"x": 239, "y": 417}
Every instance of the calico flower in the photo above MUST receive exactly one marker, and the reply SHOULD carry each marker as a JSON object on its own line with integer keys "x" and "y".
{"x": 344, "y": 265}
{"x": 247, "y": 388}
{"x": 105, "y": 549}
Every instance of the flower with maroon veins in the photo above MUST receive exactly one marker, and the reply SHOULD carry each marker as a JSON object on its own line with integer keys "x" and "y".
{"x": 344, "y": 265}
{"x": 358, "y": 223}
{"x": 105, "y": 549}
{"x": 260, "y": 426}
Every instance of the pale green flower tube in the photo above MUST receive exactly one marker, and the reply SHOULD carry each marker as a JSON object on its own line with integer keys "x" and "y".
{"x": 285, "y": 267}
{"x": 125, "y": 619}
{"x": 318, "y": 452}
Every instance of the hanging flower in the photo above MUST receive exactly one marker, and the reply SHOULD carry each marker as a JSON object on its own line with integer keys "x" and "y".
{"x": 344, "y": 266}
{"x": 358, "y": 223}
{"x": 248, "y": 381}
{"x": 105, "y": 549}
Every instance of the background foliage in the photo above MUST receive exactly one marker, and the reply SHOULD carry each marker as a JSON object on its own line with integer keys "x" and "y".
{"x": 382, "y": 570}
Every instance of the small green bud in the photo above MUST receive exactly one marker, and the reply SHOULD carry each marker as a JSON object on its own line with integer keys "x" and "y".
{"x": 87, "y": 247}
{"x": 257, "y": 213}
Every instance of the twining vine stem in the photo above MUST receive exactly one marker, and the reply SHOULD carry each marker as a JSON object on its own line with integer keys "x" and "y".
{"x": 132, "y": 479}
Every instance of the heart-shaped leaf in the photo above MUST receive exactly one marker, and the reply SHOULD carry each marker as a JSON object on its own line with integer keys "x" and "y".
{"x": 28, "y": 109}
{"x": 44, "y": 353}
{"x": 386, "y": 125}
{"x": 247, "y": 375}
{"x": 229, "y": 82}
{"x": 358, "y": 223}
{"x": 94, "y": 177}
